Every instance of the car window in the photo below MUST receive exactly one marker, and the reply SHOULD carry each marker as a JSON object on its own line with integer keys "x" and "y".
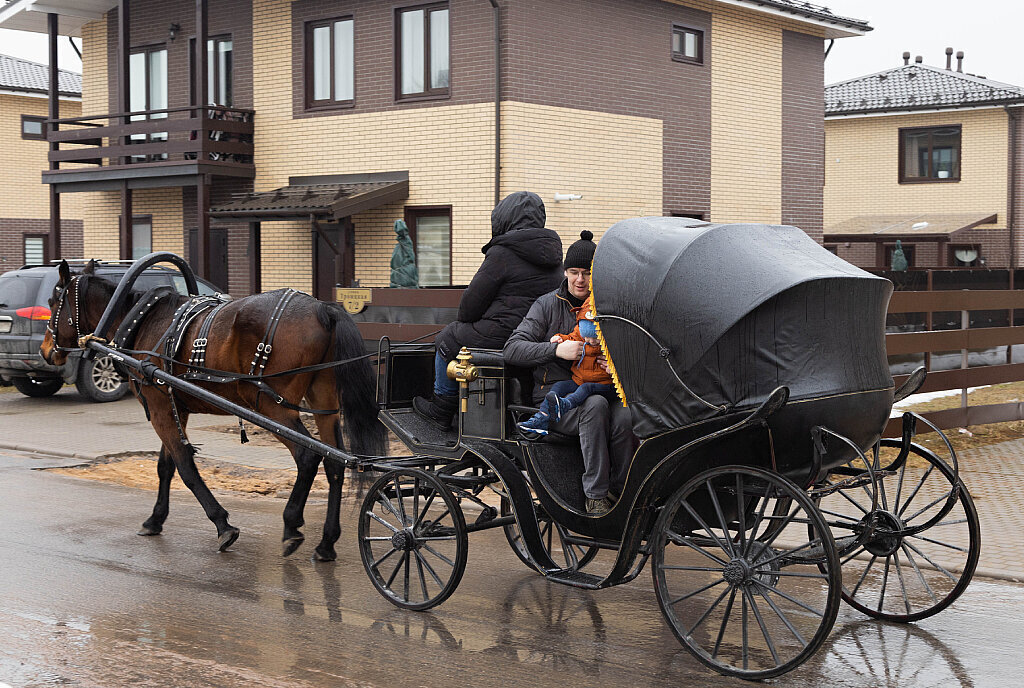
{"x": 17, "y": 291}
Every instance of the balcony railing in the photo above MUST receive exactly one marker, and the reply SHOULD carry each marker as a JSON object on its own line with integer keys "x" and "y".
{"x": 218, "y": 136}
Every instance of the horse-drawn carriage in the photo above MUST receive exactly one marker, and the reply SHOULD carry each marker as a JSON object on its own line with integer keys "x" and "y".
{"x": 754, "y": 364}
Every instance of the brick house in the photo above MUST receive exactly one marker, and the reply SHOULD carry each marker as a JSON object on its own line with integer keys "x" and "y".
{"x": 334, "y": 119}
{"x": 929, "y": 156}
{"x": 25, "y": 205}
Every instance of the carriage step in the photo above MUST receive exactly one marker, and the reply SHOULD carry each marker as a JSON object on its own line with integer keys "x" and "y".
{"x": 421, "y": 436}
{"x": 577, "y": 579}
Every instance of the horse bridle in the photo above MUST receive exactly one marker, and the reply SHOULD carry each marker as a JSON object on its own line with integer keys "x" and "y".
{"x": 73, "y": 318}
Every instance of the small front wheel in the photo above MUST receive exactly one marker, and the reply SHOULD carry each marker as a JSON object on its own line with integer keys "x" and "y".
{"x": 735, "y": 556}
{"x": 412, "y": 539}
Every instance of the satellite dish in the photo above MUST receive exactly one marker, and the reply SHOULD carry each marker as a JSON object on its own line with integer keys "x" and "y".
{"x": 919, "y": 225}
{"x": 966, "y": 255}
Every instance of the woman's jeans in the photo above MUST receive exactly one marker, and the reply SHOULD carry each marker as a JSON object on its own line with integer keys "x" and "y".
{"x": 443, "y": 385}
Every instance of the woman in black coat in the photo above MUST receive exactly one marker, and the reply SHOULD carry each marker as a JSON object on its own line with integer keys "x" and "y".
{"x": 523, "y": 261}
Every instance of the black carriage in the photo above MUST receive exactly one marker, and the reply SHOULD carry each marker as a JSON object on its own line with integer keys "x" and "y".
{"x": 754, "y": 365}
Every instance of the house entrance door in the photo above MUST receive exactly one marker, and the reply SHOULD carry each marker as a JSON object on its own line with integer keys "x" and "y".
{"x": 330, "y": 268}
{"x": 218, "y": 255}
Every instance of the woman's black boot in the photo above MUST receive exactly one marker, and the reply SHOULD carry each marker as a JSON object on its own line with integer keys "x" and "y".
{"x": 439, "y": 410}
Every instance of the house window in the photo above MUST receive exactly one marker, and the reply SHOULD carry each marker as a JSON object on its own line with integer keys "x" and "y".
{"x": 964, "y": 256}
{"x": 330, "y": 63}
{"x": 142, "y": 236}
{"x": 832, "y": 248}
{"x": 33, "y": 127}
{"x": 219, "y": 71}
{"x": 431, "y": 233}
{"x": 147, "y": 90}
{"x": 687, "y": 44}
{"x": 36, "y": 249}
{"x": 908, "y": 253}
{"x": 930, "y": 154}
{"x": 422, "y": 42}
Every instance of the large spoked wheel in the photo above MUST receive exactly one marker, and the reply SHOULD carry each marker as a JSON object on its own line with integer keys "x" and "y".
{"x": 736, "y": 556}
{"x": 412, "y": 539}
{"x": 567, "y": 555}
{"x": 916, "y": 552}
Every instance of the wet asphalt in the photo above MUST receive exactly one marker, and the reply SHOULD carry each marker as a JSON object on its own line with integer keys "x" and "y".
{"x": 86, "y": 602}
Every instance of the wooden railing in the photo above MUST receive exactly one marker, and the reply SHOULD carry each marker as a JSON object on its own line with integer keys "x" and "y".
{"x": 173, "y": 135}
{"x": 964, "y": 340}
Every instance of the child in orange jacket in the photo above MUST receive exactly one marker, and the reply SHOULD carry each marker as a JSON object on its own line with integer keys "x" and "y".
{"x": 588, "y": 377}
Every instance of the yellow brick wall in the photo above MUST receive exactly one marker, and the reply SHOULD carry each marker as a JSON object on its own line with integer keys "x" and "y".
{"x": 24, "y": 194}
{"x": 862, "y": 167}
{"x": 613, "y": 161}
{"x": 101, "y": 208}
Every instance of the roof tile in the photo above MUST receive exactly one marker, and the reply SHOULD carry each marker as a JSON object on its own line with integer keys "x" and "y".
{"x": 17, "y": 74}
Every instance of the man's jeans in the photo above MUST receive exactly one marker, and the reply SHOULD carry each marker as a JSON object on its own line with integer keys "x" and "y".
{"x": 605, "y": 430}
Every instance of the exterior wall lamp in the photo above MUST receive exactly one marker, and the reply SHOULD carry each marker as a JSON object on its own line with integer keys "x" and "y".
{"x": 172, "y": 31}
{"x": 559, "y": 197}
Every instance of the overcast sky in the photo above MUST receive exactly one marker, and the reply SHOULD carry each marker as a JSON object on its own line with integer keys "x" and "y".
{"x": 987, "y": 31}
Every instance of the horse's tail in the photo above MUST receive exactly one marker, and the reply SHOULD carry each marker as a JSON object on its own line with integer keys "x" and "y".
{"x": 356, "y": 382}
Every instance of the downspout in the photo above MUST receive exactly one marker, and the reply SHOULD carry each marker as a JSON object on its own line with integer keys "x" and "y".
{"x": 829, "y": 48}
{"x": 497, "y": 101}
{"x": 1011, "y": 211}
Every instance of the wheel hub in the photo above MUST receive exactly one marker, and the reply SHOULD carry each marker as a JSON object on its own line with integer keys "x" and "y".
{"x": 403, "y": 540}
{"x": 736, "y": 571}
{"x": 886, "y": 529}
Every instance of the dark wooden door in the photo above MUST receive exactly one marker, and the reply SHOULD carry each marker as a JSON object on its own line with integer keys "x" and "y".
{"x": 330, "y": 268}
{"x": 218, "y": 256}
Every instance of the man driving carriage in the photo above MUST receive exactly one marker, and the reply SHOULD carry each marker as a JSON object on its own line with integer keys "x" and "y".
{"x": 604, "y": 428}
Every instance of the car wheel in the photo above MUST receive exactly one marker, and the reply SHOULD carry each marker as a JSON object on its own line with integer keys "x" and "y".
{"x": 34, "y": 387}
{"x": 99, "y": 380}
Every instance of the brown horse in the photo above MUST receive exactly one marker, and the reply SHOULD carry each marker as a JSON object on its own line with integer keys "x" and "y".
{"x": 311, "y": 332}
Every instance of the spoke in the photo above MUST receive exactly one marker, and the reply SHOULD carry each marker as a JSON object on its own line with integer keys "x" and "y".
{"x": 757, "y": 521}
{"x": 785, "y": 620}
{"x": 691, "y": 568}
{"x": 785, "y": 524}
{"x": 926, "y": 507}
{"x": 852, "y": 519}
{"x": 940, "y": 543}
{"x": 885, "y": 583}
{"x": 439, "y": 555}
{"x": 917, "y": 570}
{"x": 760, "y": 622}
{"x": 385, "y": 502}
{"x": 795, "y": 574}
{"x": 725, "y": 622}
{"x": 899, "y": 485}
{"x": 426, "y": 508}
{"x": 697, "y": 591}
{"x": 851, "y": 500}
{"x": 721, "y": 517}
{"x": 407, "y": 558}
{"x": 380, "y": 561}
{"x": 850, "y": 558}
{"x": 863, "y": 575}
{"x": 903, "y": 584}
{"x": 430, "y": 569}
{"x": 381, "y": 521}
{"x": 707, "y": 612}
{"x": 377, "y": 538}
{"x": 423, "y": 580}
{"x": 743, "y": 616}
{"x": 698, "y": 548}
{"x": 415, "y": 498}
{"x": 398, "y": 567}
{"x": 707, "y": 529}
{"x": 786, "y": 552}
{"x": 401, "y": 507}
{"x": 917, "y": 488}
{"x": 789, "y": 597}
{"x": 741, "y": 514}
{"x": 924, "y": 556}
{"x": 434, "y": 538}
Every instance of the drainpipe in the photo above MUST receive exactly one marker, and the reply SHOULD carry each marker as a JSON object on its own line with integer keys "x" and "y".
{"x": 829, "y": 48}
{"x": 497, "y": 101}
{"x": 1011, "y": 212}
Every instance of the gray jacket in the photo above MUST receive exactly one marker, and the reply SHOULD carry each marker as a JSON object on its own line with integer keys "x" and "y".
{"x": 529, "y": 345}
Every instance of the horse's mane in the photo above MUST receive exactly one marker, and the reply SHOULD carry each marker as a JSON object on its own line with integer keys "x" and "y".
{"x": 106, "y": 288}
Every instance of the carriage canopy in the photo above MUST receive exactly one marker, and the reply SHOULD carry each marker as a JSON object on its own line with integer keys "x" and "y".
{"x": 735, "y": 311}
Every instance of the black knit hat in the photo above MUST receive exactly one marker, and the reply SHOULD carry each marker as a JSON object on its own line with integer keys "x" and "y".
{"x": 581, "y": 253}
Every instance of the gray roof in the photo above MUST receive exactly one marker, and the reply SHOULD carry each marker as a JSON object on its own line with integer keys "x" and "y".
{"x": 17, "y": 74}
{"x": 916, "y": 87}
{"x": 810, "y": 11}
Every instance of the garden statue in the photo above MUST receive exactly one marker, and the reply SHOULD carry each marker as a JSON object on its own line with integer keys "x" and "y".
{"x": 403, "y": 259}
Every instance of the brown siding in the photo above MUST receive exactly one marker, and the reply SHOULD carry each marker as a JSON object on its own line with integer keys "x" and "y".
{"x": 12, "y": 239}
{"x": 615, "y": 56}
{"x": 471, "y": 53}
{"x": 803, "y": 132}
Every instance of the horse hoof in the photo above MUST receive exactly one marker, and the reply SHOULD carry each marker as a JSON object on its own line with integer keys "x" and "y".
{"x": 290, "y": 545}
{"x": 149, "y": 530}
{"x": 227, "y": 538}
{"x": 319, "y": 555}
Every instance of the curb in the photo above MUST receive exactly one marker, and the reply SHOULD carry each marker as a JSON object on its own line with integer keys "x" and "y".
{"x": 36, "y": 449}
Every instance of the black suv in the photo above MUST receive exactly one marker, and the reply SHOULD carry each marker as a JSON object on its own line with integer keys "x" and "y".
{"x": 24, "y": 313}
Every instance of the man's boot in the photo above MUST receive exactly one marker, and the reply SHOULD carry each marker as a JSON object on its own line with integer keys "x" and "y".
{"x": 439, "y": 410}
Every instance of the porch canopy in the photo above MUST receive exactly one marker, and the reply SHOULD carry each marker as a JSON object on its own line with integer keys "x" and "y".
{"x": 30, "y": 15}
{"x": 919, "y": 227}
{"x": 328, "y": 197}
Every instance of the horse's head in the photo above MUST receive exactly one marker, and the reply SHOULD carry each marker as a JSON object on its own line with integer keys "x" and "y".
{"x": 70, "y": 317}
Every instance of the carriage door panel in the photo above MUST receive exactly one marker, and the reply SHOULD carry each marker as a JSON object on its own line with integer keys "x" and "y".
{"x": 218, "y": 255}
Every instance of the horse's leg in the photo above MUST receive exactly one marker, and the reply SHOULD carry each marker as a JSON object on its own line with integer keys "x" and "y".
{"x": 323, "y": 394}
{"x": 165, "y": 471}
{"x": 183, "y": 456}
{"x": 306, "y": 464}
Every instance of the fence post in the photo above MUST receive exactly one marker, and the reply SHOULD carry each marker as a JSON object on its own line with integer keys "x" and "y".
{"x": 928, "y": 323}
{"x": 965, "y": 324}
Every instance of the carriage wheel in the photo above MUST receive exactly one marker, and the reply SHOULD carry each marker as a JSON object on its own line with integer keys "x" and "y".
{"x": 737, "y": 575}
{"x": 925, "y": 539}
{"x": 412, "y": 539}
{"x": 567, "y": 555}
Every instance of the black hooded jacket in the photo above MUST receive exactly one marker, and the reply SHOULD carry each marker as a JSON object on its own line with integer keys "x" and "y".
{"x": 523, "y": 261}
